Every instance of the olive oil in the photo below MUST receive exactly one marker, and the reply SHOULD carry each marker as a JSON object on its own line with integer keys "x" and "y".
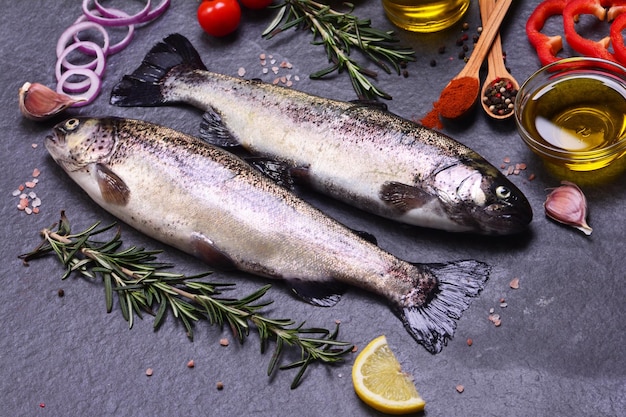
{"x": 578, "y": 117}
{"x": 425, "y": 15}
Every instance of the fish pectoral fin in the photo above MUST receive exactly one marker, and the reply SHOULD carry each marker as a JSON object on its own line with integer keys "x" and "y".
{"x": 213, "y": 131}
{"x": 205, "y": 250}
{"x": 433, "y": 321}
{"x": 278, "y": 171}
{"x": 404, "y": 197}
{"x": 112, "y": 188}
{"x": 323, "y": 294}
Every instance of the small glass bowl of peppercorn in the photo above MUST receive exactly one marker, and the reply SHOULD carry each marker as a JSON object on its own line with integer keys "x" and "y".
{"x": 572, "y": 113}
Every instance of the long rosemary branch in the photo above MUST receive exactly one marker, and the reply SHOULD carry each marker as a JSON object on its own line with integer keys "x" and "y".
{"x": 143, "y": 285}
{"x": 339, "y": 33}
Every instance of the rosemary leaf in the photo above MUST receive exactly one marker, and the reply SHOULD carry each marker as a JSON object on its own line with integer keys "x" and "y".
{"x": 339, "y": 32}
{"x": 108, "y": 291}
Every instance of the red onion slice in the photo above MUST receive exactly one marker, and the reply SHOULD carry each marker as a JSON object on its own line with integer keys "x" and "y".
{"x": 87, "y": 97}
{"x": 158, "y": 11}
{"x": 97, "y": 65}
{"x": 115, "y": 21}
{"x": 115, "y": 48}
{"x": 152, "y": 14}
{"x": 78, "y": 27}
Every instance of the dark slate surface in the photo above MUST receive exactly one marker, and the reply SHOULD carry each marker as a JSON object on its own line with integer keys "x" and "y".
{"x": 558, "y": 352}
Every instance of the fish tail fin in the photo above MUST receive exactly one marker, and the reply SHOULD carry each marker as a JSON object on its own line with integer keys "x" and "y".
{"x": 432, "y": 323}
{"x": 144, "y": 86}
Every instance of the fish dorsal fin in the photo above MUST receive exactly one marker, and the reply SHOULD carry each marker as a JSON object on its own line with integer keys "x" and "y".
{"x": 112, "y": 188}
{"x": 278, "y": 171}
{"x": 404, "y": 197}
{"x": 370, "y": 103}
{"x": 205, "y": 249}
{"x": 366, "y": 236}
{"x": 213, "y": 131}
{"x": 323, "y": 294}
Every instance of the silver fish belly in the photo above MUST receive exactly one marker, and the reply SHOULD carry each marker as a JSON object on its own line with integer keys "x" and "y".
{"x": 359, "y": 154}
{"x": 213, "y": 205}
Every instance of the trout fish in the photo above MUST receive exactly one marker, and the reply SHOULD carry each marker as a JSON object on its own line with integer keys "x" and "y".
{"x": 360, "y": 154}
{"x": 211, "y": 204}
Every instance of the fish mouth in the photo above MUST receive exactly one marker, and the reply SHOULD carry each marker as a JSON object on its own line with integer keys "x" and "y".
{"x": 506, "y": 219}
{"x": 54, "y": 144}
{"x": 55, "y": 138}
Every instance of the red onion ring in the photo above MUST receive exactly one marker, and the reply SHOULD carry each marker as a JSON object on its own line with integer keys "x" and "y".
{"x": 115, "y": 48}
{"x": 152, "y": 14}
{"x": 115, "y": 21}
{"x": 158, "y": 11}
{"x": 74, "y": 29}
{"x": 94, "y": 86}
{"x": 96, "y": 18}
{"x": 97, "y": 65}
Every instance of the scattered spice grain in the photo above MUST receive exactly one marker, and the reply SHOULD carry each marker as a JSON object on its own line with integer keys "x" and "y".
{"x": 219, "y": 385}
{"x": 460, "y": 388}
{"x": 514, "y": 284}
{"x": 149, "y": 372}
{"x": 191, "y": 364}
{"x": 224, "y": 342}
{"x": 61, "y": 292}
{"x": 495, "y": 319}
{"x": 470, "y": 342}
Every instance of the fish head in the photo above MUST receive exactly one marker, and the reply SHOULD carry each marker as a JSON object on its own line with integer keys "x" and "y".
{"x": 485, "y": 199}
{"x": 79, "y": 142}
{"x": 83, "y": 147}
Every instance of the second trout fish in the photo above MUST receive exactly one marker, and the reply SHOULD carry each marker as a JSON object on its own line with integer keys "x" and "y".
{"x": 211, "y": 204}
{"x": 359, "y": 154}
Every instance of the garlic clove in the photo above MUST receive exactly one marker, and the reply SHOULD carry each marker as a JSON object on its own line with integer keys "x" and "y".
{"x": 38, "y": 102}
{"x": 567, "y": 204}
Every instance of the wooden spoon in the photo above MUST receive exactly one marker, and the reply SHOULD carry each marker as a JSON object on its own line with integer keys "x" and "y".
{"x": 463, "y": 90}
{"x": 497, "y": 73}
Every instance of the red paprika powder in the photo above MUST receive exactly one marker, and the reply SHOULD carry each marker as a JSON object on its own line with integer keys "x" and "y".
{"x": 455, "y": 100}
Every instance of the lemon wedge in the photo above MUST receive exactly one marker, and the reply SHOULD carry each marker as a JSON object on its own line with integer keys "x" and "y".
{"x": 380, "y": 383}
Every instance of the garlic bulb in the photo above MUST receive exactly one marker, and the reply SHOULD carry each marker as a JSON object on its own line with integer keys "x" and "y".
{"x": 567, "y": 204}
{"x": 38, "y": 102}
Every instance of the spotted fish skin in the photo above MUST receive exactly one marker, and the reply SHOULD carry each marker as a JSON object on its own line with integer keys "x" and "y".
{"x": 359, "y": 154}
{"x": 211, "y": 204}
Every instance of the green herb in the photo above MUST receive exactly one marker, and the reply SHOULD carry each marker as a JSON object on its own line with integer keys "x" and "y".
{"x": 142, "y": 285}
{"x": 340, "y": 33}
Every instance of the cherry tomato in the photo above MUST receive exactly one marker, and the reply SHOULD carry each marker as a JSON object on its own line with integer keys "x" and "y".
{"x": 219, "y": 17}
{"x": 256, "y": 4}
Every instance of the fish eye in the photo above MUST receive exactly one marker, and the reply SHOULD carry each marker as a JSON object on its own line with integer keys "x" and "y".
{"x": 71, "y": 124}
{"x": 503, "y": 192}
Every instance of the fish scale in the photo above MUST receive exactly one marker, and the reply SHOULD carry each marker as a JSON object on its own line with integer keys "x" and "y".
{"x": 354, "y": 152}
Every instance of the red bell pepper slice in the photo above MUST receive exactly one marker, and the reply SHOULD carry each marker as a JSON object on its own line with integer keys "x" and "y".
{"x": 619, "y": 49}
{"x": 546, "y": 46}
{"x": 588, "y": 47}
{"x": 618, "y": 7}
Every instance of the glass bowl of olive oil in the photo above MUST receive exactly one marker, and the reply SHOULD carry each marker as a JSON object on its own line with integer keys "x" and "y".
{"x": 572, "y": 113}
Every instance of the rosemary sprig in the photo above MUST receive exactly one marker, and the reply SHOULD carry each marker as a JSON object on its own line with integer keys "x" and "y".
{"x": 340, "y": 32}
{"x": 142, "y": 285}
